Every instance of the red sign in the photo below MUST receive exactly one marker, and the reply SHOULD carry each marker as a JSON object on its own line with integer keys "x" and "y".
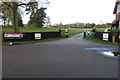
{"x": 12, "y": 35}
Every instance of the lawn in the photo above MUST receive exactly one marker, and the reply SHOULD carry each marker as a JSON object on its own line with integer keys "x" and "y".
{"x": 101, "y": 29}
{"x": 34, "y": 29}
{"x": 98, "y": 29}
{"x": 30, "y": 29}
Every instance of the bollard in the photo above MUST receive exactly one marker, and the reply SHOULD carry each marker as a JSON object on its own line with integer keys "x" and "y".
{"x": 67, "y": 35}
{"x": 84, "y": 34}
{"x": 113, "y": 39}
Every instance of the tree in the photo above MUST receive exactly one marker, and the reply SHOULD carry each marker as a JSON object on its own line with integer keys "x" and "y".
{"x": 6, "y": 14}
{"x": 38, "y": 17}
{"x": 20, "y": 22}
{"x": 14, "y": 7}
{"x": 48, "y": 21}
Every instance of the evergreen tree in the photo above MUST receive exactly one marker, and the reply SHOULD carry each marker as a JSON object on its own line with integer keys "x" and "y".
{"x": 38, "y": 18}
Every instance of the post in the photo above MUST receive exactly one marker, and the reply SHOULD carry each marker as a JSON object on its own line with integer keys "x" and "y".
{"x": 60, "y": 32}
{"x": 84, "y": 34}
{"x": 66, "y": 30}
{"x": 113, "y": 39}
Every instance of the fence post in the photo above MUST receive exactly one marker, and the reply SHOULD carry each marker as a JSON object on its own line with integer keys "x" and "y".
{"x": 60, "y": 32}
{"x": 84, "y": 34}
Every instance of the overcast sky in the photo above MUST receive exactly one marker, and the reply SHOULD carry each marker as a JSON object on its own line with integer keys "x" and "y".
{"x": 83, "y": 11}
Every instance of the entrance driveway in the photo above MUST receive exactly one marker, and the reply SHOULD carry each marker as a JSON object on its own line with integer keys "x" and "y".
{"x": 66, "y": 58}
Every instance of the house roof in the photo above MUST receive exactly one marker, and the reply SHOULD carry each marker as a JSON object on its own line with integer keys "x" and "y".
{"x": 115, "y": 22}
{"x": 115, "y": 8}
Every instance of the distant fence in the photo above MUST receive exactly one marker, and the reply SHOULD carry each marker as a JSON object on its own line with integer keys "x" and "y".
{"x": 108, "y": 36}
{"x": 8, "y": 36}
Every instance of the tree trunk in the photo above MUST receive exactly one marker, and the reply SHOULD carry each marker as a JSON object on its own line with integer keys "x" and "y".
{"x": 4, "y": 21}
{"x": 4, "y": 15}
{"x": 15, "y": 19}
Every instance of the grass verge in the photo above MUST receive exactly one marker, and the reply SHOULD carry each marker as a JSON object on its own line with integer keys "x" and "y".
{"x": 100, "y": 41}
{"x": 32, "y": 41}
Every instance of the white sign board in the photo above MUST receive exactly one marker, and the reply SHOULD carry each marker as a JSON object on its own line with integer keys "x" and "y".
{"x": 37, "y": 35}
{"x": 105, "y": 36}
{"x": 119, "y": 36}
{"x": 13, "y": 35}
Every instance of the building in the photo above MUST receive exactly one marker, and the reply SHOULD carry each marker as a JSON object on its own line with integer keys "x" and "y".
{"x": 116, "y": 11}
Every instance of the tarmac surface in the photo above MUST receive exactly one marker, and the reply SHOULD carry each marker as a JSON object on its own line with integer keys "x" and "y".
{"x": 66, "y": 58}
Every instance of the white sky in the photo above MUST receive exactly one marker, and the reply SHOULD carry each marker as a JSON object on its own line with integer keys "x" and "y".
{"x": 83, "y": 11}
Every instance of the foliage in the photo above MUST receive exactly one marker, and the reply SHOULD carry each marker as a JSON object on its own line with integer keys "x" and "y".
{"x": 14, "y": 7}
{"x": 116, "y": 30}
{"x": 30, "y": 7}
{"x": 48, "y": 21}
{"x": 38, "y": 18}
{"x": 20, "y": 22}
{"x": 6, "y": 14}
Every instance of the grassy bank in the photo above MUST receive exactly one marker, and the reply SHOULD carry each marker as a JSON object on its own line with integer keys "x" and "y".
{"x": 30, "y": 29}
{"x": 100, "y": 41}
{"x": 27, "y": 42}
{"x": 36, "y": 29}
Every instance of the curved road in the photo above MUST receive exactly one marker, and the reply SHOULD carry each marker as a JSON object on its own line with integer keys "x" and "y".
{"x": 66, "y": 58}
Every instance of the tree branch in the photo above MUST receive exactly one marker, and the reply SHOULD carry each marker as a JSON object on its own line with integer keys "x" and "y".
{"x": 8, "y": 4}
{"x": 30, "y": 3}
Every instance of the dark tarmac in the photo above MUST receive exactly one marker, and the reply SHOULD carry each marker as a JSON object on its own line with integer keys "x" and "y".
{"x": 66, "y": 58}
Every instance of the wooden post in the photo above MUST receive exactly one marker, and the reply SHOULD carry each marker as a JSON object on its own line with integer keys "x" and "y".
{"x": 113, "y": 39}
{"x": 84, "y": 34}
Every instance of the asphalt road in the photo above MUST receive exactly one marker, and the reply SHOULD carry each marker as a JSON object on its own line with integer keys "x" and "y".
{"x": 67, "y": 58}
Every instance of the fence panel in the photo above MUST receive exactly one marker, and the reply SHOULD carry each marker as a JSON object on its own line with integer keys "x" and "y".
{"x": 99, "y": 35}
{"x": 30, "y": 36}
{"x": 47, "y": 35}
